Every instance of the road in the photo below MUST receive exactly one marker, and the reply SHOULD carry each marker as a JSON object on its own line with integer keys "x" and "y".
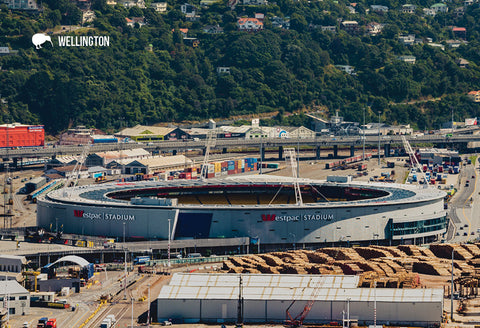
{"x": 463, "y": 206}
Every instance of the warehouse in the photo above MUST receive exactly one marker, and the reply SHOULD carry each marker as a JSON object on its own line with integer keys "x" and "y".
{"x": 18, "y": 297}
{"x": 213, "y": 298}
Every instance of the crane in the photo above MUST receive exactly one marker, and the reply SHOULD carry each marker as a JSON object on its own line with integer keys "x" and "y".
{"x": 73, "y": 178}
{"x": 293, "y": 322}
{"x": 290, "y": 154}
{"x": 414, "y": 159}
{"x": 210, "y": 143}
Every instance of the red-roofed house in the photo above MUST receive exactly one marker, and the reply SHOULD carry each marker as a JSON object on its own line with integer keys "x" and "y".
{"x": 249, "y": 24}
{"x": 139, "y": 20}
{"x": 474, "y": 95}
{"x": 183, "y": 31}
{"x": 460, "y": 32}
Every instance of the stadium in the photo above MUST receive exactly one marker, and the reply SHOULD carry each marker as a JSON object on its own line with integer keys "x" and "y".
{"x": 261, "y": 207}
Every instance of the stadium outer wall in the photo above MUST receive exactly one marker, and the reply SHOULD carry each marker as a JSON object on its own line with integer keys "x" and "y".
{"x": 419, "y": 217}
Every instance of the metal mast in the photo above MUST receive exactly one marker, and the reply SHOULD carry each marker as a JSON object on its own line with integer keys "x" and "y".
{"x": 210, "y": 143}
{"x": 76, "y": 169}
{"x": 414, "y": 159}
{"x": 290, "y": 157}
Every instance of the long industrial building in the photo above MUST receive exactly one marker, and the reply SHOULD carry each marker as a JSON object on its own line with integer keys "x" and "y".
{"x": 213, "y": 298}
{"x": 260, "y": 207}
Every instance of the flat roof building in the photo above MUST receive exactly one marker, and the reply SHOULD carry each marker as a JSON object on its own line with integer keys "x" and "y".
{"x": 214, "y": 298}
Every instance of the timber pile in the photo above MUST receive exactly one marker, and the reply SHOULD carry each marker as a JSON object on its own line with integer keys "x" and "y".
{"x": 369, "y": 252}
{"x": 410, "y": 250}
{"x": 445, "y": 251}
{"x": 395, "y": 252}
{"x": 318, "y": 257}
{"x": 271, "y": 260}
{"x": 393, "y": 265}
{"x": 431, "y": 268}
{"x": 472, "y": 249}
{"x": 341, "y": 254}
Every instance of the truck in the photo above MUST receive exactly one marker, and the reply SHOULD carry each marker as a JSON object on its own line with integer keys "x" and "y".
{"x": 51, "y": 323}
{"x": 106, "y": 323}
{"x": 141, "y": 260}
{"x": 41, "y": 322}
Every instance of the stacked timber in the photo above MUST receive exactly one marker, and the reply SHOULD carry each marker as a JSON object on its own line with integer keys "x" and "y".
{"x": 395, "y": 252}
{"x": 318, "y": 257}
{"x": 410, "y": 250}
{"x": 271, "y": 260}
{"x": 341, "y": 254}
{"x": 369, "y": 252}
{"x": 472, "y": 249}
{"x": 445, "y": 251}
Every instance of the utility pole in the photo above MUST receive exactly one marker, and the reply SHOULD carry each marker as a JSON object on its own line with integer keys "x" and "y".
{"x": 125, "y": 282}
{"x": 240, "y": 304}
{"x": 169, "y": 242}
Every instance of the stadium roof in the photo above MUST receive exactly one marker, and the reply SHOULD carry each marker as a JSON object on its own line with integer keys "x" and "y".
{"x": 327, "y": 292}
{"x": 397, "y": 193}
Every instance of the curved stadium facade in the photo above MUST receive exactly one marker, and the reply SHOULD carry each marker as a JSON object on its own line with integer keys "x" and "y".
{"x": 261, "y": 207}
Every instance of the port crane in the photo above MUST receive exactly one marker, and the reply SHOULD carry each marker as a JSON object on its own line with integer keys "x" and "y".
{"x": 210, "y": 143}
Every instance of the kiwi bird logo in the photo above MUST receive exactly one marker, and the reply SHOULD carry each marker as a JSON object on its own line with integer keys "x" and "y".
{"x": 40, "y": 38}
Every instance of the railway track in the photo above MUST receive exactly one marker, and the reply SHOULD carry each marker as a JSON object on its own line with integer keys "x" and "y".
{"x": 118, "y": 306}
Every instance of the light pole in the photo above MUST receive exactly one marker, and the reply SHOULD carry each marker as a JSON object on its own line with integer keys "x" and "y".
{"x": 375, "y": 304}
{"x": 169, "y": 243}
{"x": 131, "y": 324}
{"x": 148, "y": 311}
{"x": 363, "y": 129}
{"x": 451, "y": 292}
{"x": 379, "y": 138}
{"x": 125, "y": 282}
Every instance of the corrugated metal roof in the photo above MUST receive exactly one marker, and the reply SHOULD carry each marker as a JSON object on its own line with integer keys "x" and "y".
{"x": 142, "y": 130}
{"x": 288, "y": 287}
{"x": 161, "y": 161}
{"x": 264, "y": 280}
{"x": 12, "y": 287}
{"x": 302, "y": 293}
{"x": 23, "y": 259}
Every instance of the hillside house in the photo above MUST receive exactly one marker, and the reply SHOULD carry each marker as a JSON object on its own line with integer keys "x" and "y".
{"x": 462, "y": 63}
{"x": 279, "y": 22}
{"x": 429, "y": 12}
{"x": 255, "y": 2}
{"x": 249, "y": 24}
{"x": 409, "y": 8}
{"x": 351, "y": 27}
{"x": 474, "y": 96}
{"x": 223, "y": 70}
{"x": 374, "y": 28}
{"x": 439, "y": 8}
{"x": 407, "y": 39}
{"x": 160, "y": 7}
{"x": 135, "y": 20}
{"x": 213, "y": 29}
{"x": 347, "y": 69}
{"x": 329, "y": 28}
{"x": 187, "y": 8}
{"x": 22, "y": 4}
{"x": 379, "y": 8}
{"x": 460, "y": 32}
{"x": 408, "y": 59}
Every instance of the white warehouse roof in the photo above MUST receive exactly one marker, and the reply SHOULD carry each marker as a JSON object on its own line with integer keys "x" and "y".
{"x": 288, "y": 287}
{"x": 264, "y": 280}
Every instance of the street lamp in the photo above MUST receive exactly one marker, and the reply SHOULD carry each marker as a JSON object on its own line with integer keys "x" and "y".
{"x": 169, "y": 242}
{"x": 125, "y": 249}
{"x": 148, "y": 312}
{"x": 131, "y": 324}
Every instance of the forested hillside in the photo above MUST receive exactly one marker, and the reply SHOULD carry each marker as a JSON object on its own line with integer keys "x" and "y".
{"x": 275, "y": 69}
